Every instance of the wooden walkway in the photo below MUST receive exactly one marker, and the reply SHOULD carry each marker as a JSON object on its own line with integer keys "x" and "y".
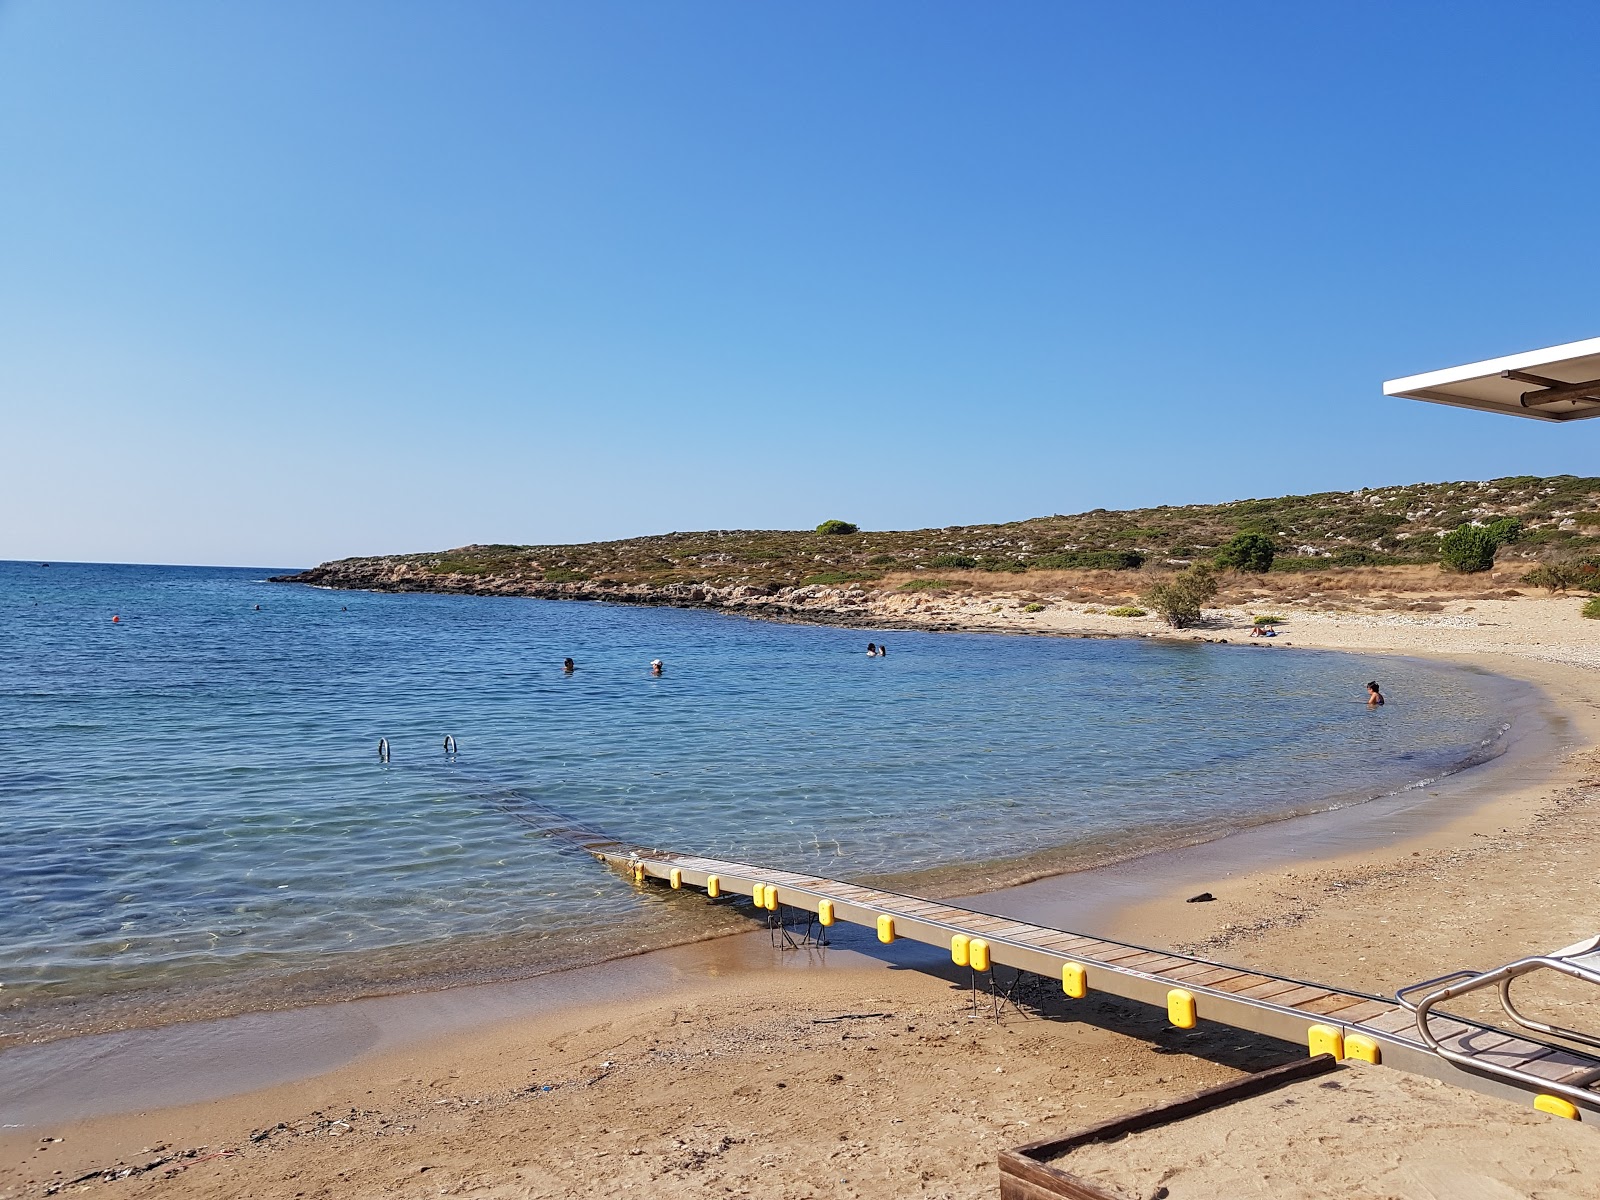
{"x": 1350, "y": 1024}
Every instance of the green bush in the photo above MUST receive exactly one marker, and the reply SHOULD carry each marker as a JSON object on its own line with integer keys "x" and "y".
{"x": 1591, "y": 607}
{"x": 1181, "y": 600}
{"x": 947, "y": 561}
{"x": 1359, "y": 558}
{"x": 880, "y": 560}
{"x": 1125, "y": 610}
{"x": 1247, "y": 552}
{"x": 1089, "y": 560}
{"x": 1030, "y": 608}
{"x": 1583, "y": 574}
{"x": 1469, "y": 549}
{"x": 1553, "y": 577}
{"x": 1013, "y": 566}
{"x": 928, "y": 585}
{"x": 564, "y": 575}
{"x": 838, "y": 527}
{"x": 1268, "y": 619}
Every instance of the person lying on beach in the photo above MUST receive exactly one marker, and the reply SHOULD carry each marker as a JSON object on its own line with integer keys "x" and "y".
{"x": 1374, "y": 696}
{"x": 1263, "y": 631}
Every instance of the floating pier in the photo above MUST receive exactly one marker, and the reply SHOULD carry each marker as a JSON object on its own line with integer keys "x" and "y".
{"x": 1326, "y": 1020}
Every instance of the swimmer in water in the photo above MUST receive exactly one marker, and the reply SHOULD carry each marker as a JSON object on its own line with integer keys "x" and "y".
{"x": 872, "y": 650}
{"x": 883, "y": 651}
{"x": 569, "y": 666}
{"x": 1374, "y": 696}
{"x": 655, "y": 666}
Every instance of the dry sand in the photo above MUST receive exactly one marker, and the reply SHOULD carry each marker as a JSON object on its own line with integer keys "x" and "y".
{"x": 876, "y": 1081}
{"x": 1351, "y": 1134}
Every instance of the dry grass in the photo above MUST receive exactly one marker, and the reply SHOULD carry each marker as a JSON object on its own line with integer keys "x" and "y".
{"x": 1419, "y": 588}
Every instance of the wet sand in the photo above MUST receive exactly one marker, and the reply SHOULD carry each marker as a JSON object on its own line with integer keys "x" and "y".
{"x": 721, "y": 1067}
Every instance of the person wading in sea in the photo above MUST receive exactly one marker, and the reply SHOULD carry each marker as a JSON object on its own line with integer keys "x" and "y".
{"x": 1374, "y": 696}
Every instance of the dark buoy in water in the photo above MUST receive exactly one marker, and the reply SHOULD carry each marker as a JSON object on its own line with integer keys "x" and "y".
{"x": 449, "y": 744}
{"x": 383, "y": 750}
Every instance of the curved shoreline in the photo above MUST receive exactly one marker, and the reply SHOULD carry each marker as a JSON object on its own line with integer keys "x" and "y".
{"x": 46, "y": 1080}
{"x": 432, "y": 968}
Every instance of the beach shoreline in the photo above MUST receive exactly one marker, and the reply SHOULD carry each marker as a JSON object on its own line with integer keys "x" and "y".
{"x": 403, "y": 970}
{"x": 1276, "y": 912}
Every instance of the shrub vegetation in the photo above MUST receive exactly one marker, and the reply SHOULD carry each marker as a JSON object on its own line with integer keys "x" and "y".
{"x": 1591, "y": 607}
{"x": 1553, "y": 577}
{"x": 928, "y": 585}
{"x": 1181, "y": 600}
{"x": 1125, "y": 610}
{"x": 1248, "y": 552}
{"x": 1089, "y": 560}
{"x": 837, "y": 527}
{"x": 1469, "y": 549}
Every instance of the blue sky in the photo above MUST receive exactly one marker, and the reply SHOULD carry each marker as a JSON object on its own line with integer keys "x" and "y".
{"x": 290, "y": 281}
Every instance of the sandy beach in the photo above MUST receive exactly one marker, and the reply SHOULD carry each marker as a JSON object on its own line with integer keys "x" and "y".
{"x": 726, "y": 1069}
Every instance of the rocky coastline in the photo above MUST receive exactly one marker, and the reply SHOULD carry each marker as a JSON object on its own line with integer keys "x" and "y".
{"x": 812, "y": 603}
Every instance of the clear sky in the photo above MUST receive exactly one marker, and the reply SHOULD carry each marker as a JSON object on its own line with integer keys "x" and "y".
{"x": 282, "y": 282}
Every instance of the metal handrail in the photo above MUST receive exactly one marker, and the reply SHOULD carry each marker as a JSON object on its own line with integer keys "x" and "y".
{"x": 1503, "y": 976}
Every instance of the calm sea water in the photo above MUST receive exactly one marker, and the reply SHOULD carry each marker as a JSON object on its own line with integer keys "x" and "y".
{"x": 192, "y": 796}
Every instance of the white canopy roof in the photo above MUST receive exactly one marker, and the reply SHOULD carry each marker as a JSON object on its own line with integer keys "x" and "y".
{"x": 1561, "y": 383}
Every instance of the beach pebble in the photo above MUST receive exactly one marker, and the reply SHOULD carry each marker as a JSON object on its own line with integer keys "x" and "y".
{"x": 1202, "y": 898}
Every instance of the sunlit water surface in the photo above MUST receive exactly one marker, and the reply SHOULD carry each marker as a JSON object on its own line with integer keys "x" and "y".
{"x": 192, "y": 794}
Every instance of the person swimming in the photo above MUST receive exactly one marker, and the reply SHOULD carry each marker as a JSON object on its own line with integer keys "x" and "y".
{"x": 655, "y": 667}
{"x": 1374, "y": 696}
{"x": 883, "y": 651}
{"x": 569, "y": 666}
{"x": 872, "y": 650}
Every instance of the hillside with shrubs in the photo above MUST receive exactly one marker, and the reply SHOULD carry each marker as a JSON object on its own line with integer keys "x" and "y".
{"x": 1549, "y": 525}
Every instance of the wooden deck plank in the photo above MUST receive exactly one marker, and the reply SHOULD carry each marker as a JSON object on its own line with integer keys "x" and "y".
{"x": 1016, "y": 932}
{"x": 1333, "y": 1004}
{"x": 1150, "y": 962}
{"x": 1402, "y": 1024}
{"x": 1118, "y": 953}
{"x": 1366, "y": 1011}
{"x": 1301, "y": 995}
{"x": 1246, "y": 979}
{"x": 1266, "y": 990}
{"x": 1558, "y": 1066}
{"x": 1201, "y": 974}
{"x": 1063, "y": 943}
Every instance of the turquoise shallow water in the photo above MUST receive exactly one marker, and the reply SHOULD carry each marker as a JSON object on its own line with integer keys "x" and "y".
{"x": 192, "y": 796}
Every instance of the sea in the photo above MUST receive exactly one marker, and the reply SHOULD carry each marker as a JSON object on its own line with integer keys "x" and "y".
{"x": 197, "y": 818}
